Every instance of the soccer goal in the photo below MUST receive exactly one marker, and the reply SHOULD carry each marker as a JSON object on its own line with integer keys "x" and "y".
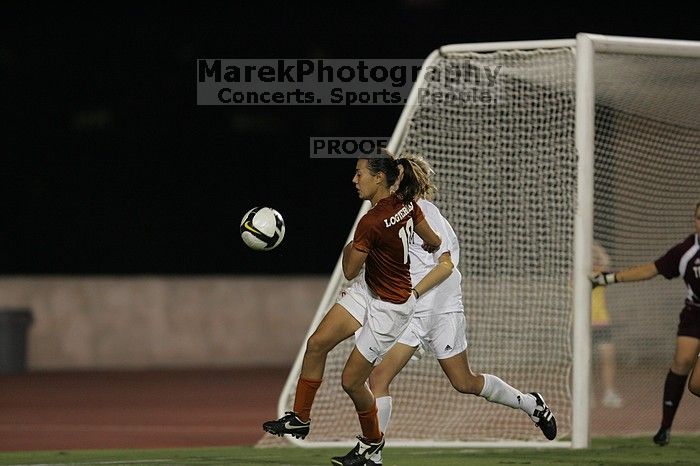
{"x": 538, "y": 147}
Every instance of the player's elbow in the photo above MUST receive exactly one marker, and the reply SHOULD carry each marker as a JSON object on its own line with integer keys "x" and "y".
{"x": 448, "y": 264}
{"x": 445, "y": 261}
{"x": 349, "y": 274}
{"x": 435, "y": 241}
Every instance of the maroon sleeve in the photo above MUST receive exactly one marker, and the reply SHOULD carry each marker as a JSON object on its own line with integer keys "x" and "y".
{"x": 365, "y": 234}
{"x": 417, "y": 213}
{"x": 668, "y": 264}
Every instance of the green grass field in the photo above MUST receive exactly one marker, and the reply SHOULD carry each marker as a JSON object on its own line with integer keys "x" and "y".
{"x": 629, "y": 451}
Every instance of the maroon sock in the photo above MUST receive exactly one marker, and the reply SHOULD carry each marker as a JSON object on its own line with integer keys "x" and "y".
{"x": 370, "y": 424}
{"x": 673, "y": 392}
{"x": 304, "y": 399}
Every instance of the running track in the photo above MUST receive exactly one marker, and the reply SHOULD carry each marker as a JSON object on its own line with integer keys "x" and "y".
{"x": 191, "y": 408}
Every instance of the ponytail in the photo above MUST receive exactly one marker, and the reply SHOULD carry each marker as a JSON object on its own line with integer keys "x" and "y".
{"x": 415, "y": 181}
{"x": 411, "y": 172}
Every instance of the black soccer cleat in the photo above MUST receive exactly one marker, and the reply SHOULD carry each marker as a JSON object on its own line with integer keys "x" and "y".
{"x": 359, "y": 455}
{"x": 543, "y": 417}
{"x": 375, "y": 459}
{"x": 288, "y": 424}
{"x": 663, "y": 436}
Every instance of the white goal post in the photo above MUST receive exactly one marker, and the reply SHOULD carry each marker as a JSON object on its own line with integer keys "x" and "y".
{"x": 569, "y": 140}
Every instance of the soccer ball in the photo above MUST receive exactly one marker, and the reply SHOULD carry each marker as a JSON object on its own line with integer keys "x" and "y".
{"x": 262, "y": 228}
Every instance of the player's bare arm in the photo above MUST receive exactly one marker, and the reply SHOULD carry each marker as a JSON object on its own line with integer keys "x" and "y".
{"x": 353, "y": 259}
{"x": 437, "y": 275}
{"x": 637, "y": 273}
{"x": 431, "y": 239}
{"x": 632, "y": 274}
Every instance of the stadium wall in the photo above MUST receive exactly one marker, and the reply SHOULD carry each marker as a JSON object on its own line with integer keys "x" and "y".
{"x": 162, "y": 322}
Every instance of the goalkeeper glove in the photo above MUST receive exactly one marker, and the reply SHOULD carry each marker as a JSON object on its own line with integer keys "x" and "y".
{"x": 603, "y": 278}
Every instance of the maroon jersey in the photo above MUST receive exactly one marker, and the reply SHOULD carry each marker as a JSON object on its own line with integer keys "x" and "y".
{"x": 683, "y": 260}
{"x": 384, "y": 233}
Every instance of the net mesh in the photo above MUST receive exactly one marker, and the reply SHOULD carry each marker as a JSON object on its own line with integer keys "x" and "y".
{"x": 503, "y": 152}
{"x": 505, "y": 167}
{"x": 646, "y": 186}
{"x": 499, "y": 130}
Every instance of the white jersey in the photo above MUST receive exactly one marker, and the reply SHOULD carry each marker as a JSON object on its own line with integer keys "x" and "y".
{"x": 447, "y": 296}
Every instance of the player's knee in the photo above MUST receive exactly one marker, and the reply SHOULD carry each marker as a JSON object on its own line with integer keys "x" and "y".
{"x": 379, "y": 383}
{"x": 320, "y": 343}
{"x": 316, "y": 344}
{"x": 682, "y": 365}
{"x": 694, "y": 388}
{"x": 350, "y": 386}
{"x": 380, "y": 376}
{"x": 694, "y": 383}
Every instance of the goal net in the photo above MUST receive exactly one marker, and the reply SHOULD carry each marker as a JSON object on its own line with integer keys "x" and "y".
{"x": 498, "y": 124}
{"x": 646, "y": 186}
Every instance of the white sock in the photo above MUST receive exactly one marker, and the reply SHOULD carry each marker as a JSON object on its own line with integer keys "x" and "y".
{"x": 383, "y": 412}
{"x": 497, "y": 391}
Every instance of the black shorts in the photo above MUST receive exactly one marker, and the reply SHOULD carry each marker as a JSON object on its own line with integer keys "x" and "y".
{"x": 689, "y": 325}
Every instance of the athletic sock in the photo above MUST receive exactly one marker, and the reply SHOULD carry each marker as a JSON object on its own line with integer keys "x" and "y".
{"x": 370, "y": 424}
{"x": 497, "y": 391}
{"x": 673, "y": 392}
{"x": 304, "y": 398}
{"x": 384, "y": 412}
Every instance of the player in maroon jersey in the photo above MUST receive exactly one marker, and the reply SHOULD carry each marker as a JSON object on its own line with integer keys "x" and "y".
{"x": 682, "y": 260}
{"x": 381, "y": 244}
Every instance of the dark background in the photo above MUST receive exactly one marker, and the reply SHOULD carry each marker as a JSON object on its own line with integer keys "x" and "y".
{"x": 109, "y": 167}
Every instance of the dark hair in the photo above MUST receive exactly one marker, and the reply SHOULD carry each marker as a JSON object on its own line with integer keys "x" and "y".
{"x": 386, "y": 165}
{"x": 415, "y": 180}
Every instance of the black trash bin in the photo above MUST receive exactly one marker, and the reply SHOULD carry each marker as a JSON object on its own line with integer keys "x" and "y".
{"x": 14, "y": 324}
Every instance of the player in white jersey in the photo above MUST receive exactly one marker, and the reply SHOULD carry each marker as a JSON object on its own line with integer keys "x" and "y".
{"x": 439, "y": 325}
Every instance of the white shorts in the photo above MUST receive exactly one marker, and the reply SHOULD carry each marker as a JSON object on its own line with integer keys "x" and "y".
{"x": 382, "y": 322}
{"x": 439, "y": 325}
{"x": 444, "y": 298}
{"x": 442, "y": 334}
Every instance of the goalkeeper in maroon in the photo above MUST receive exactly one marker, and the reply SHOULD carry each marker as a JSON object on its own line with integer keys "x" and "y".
{"x": 682, "y": 260}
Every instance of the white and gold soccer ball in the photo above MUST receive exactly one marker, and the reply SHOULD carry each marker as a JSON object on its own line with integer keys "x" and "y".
{"x": 262, "y": 228}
